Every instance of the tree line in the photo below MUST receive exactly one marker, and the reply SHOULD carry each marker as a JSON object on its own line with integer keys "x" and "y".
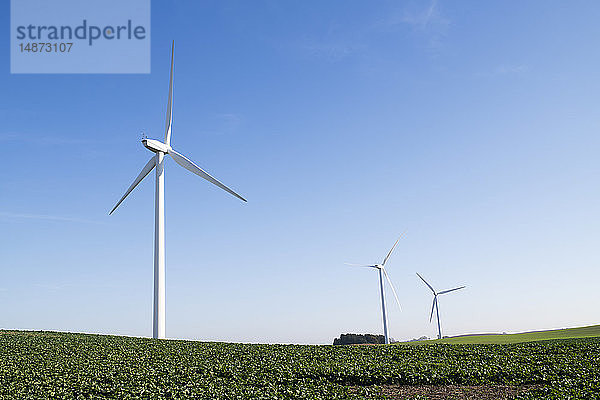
{"x": 355, "y": 338}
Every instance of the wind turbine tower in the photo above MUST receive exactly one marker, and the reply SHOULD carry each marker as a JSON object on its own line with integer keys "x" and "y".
{"x": 160, "y": 150}
{"x": 435, "y": 303}
{"x": 382, "y": 272}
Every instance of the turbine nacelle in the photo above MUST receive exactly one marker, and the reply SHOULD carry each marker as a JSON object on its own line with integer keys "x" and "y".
{"x": 156, "y": 146}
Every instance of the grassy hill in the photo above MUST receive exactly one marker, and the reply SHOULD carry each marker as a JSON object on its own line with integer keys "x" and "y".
{"x": 568, "y": 333}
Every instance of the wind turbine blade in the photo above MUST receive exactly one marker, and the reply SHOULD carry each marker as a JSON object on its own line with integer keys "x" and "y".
{"x": 145, "y": 171}
{"x": 170, "y": 102}
{"x": 428, "y": 285}
{"x": 451, "y": 290}
{"x": 390, "y": 253}
{"x": 361, "y": 265}
{"x": 432, "y": 308}
{"x": 190, "y": 166}
{"x": 392, "y": 286}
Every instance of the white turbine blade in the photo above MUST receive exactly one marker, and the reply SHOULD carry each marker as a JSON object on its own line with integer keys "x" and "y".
{"x": 392, "y": 286}
{"x": 428, "y": 285}
{"x": 145, "y": 171}
{"x": 390, "y": 253}
{"x": 190, "y": 166}
{"x": 451, "y": 290}
{"x": 432, "y": 308}
{"x": 361, "y": 265}
{"x": 170, "y": 102}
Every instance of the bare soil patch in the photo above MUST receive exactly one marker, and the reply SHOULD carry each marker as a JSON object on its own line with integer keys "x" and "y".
{"x": 454, "y": 392}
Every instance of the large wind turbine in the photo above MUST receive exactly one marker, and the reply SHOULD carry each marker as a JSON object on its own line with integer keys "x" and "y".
{"x": 160, "y": 149}
{"x": 435, "y": 303}
{"x": 382, "y": 272}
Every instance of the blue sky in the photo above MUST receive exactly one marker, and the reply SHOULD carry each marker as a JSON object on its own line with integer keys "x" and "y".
{"x": 472, "y": 127}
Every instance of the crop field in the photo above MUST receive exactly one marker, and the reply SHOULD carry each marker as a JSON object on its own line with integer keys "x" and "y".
{"x": 48, "y": 365}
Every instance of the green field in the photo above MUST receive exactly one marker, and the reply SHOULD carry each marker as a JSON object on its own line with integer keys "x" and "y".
{"x": 50, "y": 365}
{"x": 568, "y": 333}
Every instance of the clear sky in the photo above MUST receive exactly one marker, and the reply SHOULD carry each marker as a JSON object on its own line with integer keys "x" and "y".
{"x": 472, "y": 126}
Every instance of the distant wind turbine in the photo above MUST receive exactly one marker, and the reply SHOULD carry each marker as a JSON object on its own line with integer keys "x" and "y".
{"x": 161, "y": 149}
{"x": 435, "y": 303}
{"x": 382, "y": 272}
